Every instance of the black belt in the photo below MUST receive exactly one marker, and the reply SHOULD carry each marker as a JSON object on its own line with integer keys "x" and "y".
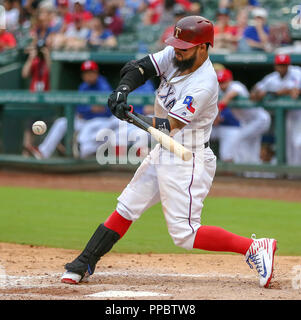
{"x": 207, "y": 144}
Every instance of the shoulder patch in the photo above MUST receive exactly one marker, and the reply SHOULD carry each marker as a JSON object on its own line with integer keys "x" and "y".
{"x": 188, "y": 102}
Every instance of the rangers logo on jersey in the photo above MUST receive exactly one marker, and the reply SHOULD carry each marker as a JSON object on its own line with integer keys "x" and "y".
{"x": 188, "y": 102}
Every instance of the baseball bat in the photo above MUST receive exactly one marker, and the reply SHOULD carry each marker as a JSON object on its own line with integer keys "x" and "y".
{"x": 165, "y": 140}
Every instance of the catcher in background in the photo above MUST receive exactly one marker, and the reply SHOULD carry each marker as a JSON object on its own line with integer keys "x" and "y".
{"x": 186, "y": 100}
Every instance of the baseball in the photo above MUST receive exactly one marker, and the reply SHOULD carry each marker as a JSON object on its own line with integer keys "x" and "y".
{"x": 39, "y": 127}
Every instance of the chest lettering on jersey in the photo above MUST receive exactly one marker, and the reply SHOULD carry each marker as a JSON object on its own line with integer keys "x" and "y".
{"x": 170, "y": 104}
{"x": 165, "y": 97}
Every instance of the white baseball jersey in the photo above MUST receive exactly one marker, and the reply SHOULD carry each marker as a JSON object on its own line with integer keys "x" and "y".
{"x": 242, "y": 115}
{"x": 191, "y": 99}
{"x": 273, "y": 82}
{"x": 253, "y": 123}
{"x": 181, "y": 186}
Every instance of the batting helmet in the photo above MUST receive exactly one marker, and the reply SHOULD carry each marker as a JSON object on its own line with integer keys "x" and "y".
{"x": 89, "y": 66}
{"x": 224, "y": 75}
{"x": 191, "y": 31}
{"x": 282, "y": 59}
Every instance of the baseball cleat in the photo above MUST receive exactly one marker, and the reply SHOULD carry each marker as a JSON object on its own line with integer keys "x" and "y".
{"x": 261, "y": 253}
{"x": 74, "y": 278}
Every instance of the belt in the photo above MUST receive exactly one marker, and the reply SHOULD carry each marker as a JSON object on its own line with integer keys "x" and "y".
{"x": 207, "y": 144}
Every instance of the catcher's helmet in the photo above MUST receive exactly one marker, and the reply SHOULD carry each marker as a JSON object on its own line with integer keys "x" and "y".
{"x": 191, "y": 31}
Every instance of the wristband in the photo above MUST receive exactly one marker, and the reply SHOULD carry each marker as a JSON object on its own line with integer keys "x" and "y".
{"x": 221, "y": 106}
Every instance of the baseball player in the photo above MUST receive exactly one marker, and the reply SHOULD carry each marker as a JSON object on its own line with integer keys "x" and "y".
{"x": 225, "y": 127}
{"x": 186, "y": 100}
{"x": 246, "y": 142}
{"x": 284, "y": 81}
{"x": 85, "y": 114}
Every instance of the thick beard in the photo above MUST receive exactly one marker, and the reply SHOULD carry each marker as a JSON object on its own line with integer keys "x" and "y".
{"x": 184, "y": 64}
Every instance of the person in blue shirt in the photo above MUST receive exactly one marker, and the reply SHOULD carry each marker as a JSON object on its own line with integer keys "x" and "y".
{"x": 92, "y": 81}
{"x": 85, "y": 114}
{"x": 99, "y": 36}
{"x": 256, "y": 37}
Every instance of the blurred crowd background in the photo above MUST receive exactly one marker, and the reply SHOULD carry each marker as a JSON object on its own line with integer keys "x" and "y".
{"x": 240, "y": 25}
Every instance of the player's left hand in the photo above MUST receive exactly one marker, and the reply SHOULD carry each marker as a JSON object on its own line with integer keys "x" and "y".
{"x": 117, "y": 102}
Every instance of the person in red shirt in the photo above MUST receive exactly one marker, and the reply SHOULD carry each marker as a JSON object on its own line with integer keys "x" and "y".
{"x": 7, "y": 40}
{"x": 37, "y": 68}
{"x": 224, "y": 33}
{"x": 78, "y": 11}
{"x": 113, "y": 21}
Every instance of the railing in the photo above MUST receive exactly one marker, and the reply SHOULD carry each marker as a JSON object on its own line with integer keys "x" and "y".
{"x": 69, "y": 99}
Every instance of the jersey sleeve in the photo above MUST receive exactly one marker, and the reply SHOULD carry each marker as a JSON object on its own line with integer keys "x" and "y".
{"x": 162, "y": 59}
{"x": 263, "y": 85}
{"x": 188, "y": 105}
{"x": 240, "y": 89}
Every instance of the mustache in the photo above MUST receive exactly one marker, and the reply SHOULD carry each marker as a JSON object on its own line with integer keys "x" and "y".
{"x": 184, "y": 64}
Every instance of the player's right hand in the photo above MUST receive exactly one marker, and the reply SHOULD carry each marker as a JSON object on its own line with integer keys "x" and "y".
{"x": 117, "y": 102}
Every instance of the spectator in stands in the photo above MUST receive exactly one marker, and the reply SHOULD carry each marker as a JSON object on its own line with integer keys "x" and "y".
{"x": 111, "y": 17}
{"x": 240, "y": 26}
{"x": 99, "y": 36}
{"x": 179, "y": 12}
{"x": 74, "y": 38}
{"x": 224, "y": 33}
{"x": 92, "y": 81}
{"x": 256, "y": 37}
{"x": 7, "y": 40}
{"x": 254, "y": 122}
{"x": 30, "y": 7}
{"x": 94, "y": 6}
{"x": 63, "y": 12}
{"x": 79, "y": 11}
{"x": 238, "y": 4}
{"x": 12, "y": 13}
{"x": 37, "y": 68}
{"x": 41, "y": 27}
{"x": 284, "y": 81}
{"x": 129, "y": 8}
{"x": 161, "y": 10}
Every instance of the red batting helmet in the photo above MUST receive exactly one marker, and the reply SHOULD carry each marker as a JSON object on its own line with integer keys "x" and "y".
{"x": 282, "y": 59}
{"x": 224, "y": 75}
{"x": 89, "y": 66}
{"x": 191, "y": 31}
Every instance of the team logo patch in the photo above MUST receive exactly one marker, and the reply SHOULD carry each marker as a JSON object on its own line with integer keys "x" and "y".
{"x": 177, "y": 31}
{"x": 188, "y": 102}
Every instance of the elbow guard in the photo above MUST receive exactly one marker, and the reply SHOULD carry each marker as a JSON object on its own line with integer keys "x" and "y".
{"x": 136, "y": 72}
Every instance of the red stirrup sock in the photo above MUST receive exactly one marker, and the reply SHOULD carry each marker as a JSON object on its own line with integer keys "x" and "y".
{"x": 217, "y": 239}
{"x": 117, "y": 223}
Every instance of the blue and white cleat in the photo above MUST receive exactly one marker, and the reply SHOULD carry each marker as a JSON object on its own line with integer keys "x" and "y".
{"x": 261, "y": 253}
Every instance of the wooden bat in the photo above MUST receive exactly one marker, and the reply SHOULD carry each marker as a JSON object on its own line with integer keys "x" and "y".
{"x": 165, "y": 140}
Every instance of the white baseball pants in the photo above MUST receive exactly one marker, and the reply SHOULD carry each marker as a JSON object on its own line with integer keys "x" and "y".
{"x": 248, "y": 144}
{"x": 181, "y": 186}
{"x": 293, "y": 137}
{"x": 227, "y": 137}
